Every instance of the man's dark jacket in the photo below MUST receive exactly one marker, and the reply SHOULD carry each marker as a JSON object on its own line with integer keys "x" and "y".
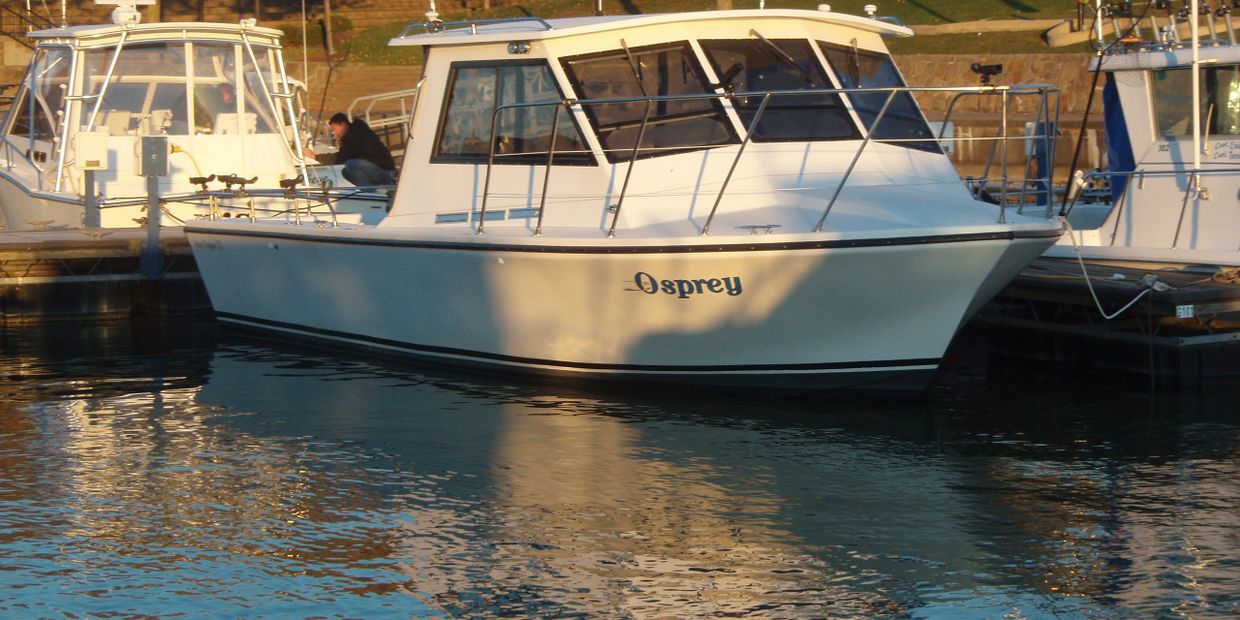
{"x": 361, "y": 142}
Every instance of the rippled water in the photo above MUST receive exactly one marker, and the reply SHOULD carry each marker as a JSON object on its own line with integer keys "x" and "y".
{"x": 164, "y": 472}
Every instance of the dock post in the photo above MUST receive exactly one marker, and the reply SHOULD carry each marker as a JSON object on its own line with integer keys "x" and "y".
{"x": 93, "y": 218}
{"x": 151, "y": 263}
{"x": 153, "y": 163}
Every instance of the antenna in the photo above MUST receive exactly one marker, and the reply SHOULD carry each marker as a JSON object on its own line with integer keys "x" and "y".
{"x": 126, "y": 11}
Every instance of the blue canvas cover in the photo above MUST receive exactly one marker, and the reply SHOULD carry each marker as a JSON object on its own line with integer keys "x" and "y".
{"x": 1119, "y": 145}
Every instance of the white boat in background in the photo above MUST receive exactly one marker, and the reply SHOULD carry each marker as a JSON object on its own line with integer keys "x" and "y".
{"x": 1174, "y": 157}
{"x": 736, "y": 197}
{"x": 217, "y": 92}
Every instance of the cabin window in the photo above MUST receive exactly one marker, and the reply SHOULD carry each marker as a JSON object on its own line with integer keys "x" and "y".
{"x": 147, "y": 86}
{"x": 760, "y": 65}
{"x": 903, "y": 121}
{"x": 1220, "y": 101}
{"x": 36, "y": 113}
{"x": 655, "y": 74}
{"x": 522, "y": 134}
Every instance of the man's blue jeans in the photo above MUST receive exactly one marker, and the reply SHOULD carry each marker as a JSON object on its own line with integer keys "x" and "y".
{"x": 362, "y": 173}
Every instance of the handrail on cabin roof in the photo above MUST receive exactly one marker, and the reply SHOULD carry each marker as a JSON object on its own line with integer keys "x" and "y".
{"x": 438, "y": 26}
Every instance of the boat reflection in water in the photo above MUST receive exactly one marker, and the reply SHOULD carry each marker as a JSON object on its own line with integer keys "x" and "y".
{"x": 248, "y": 480}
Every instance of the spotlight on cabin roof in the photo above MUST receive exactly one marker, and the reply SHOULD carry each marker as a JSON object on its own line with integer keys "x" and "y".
{"x": 126, "y": 11}
{"x": 825, "y": 8}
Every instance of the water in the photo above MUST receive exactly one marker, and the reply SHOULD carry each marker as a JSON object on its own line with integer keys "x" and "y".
{"x": 172, "y": 473}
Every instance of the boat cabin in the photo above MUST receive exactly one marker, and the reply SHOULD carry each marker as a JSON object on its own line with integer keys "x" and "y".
{"x": 217, "y": 91}
{"x": 672, "y": 123}
{"x": 1174, "y": 190}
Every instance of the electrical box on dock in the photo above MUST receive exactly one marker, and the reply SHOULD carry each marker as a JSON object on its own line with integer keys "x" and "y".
{"x": 152, "y": 156}
{"x": 90, "y": 150}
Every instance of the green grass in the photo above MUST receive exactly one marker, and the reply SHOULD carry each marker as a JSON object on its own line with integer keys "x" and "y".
{"x": 370, "y": 45}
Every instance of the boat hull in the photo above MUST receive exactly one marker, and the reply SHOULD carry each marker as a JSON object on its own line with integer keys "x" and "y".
{"x": 817, "y": 314}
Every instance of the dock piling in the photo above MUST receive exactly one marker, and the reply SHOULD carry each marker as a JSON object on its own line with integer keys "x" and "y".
{"x": 153, "y": 163}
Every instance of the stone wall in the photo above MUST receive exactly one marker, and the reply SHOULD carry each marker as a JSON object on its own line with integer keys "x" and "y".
{"x": 1070, "y": 72}
{"x": 977, "y": 117}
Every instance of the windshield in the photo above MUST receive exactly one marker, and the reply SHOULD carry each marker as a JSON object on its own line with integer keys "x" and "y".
{"x": 760, "y": 65}
{"x": 903, "y": 120}
{"x": 671, "y": 126}
{"x": 149, "y": 85}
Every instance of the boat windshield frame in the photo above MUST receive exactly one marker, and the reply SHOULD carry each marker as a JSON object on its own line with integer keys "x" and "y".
{"x": 620, "y": 119}
{"x": 257, "y": 78}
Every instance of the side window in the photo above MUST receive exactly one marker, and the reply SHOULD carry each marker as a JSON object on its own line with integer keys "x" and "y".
{"x": 523, "y": 133}
{"x": 43, "y": 127}
{"x": 36, "y": 111}
{"x": 760, "y": 65}
{"x": 865, "y": 69}
{"x": 1220, "y": 101}
{"x": 673, "y": 126}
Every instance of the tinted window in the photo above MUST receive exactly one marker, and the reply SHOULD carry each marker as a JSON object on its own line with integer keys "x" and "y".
{"x": 645, "y": 73}
{"x": 522, "y": 134}
{"x": 864, "y": 69}
{"x": 1220, "y": 101}
{"x": 758, "y": 65}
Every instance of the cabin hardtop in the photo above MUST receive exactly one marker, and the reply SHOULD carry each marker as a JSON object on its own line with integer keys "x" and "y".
{"x": 89, "y": 35}
{"x": 533, "y": 28}
{"x": 587, "y": 96}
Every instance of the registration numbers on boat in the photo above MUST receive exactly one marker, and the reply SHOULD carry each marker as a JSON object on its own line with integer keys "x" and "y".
{"x": 686, "y": 288}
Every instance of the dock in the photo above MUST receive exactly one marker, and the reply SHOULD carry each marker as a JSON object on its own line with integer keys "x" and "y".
{"x": 1183, "y": 327}
{"x": 95, "y": 272}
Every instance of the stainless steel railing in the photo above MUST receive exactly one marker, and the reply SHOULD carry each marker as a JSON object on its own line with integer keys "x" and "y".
{"x": 1192, "y": 189}
{"x": 1001, "y": 142}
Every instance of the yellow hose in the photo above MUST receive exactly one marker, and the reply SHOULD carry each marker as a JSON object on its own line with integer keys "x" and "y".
{"x": 178, "y": 149}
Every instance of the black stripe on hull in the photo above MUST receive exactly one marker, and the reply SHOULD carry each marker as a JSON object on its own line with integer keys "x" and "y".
{"x": 483, "y": 246}
{"x": 878, "y": 375}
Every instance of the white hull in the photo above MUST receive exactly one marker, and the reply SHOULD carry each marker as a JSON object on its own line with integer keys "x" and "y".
{"x": 810, "y": 314}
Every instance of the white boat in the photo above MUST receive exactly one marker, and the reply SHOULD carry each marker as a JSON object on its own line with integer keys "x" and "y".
{"x": 217, "y": 93}
{"x": 1174, "y": 157}
{"x": 732, "y": 197}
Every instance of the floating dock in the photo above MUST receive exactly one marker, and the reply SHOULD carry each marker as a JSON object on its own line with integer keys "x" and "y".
{"x": 1183, "y": 327}
{"x": 95, "y": 272}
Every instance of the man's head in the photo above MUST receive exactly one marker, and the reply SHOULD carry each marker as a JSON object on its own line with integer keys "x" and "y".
{"x": 340, "y": 125}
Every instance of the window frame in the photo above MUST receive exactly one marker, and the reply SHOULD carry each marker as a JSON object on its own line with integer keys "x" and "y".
{"x": 1210, "y": 123}
{"x": 929, "y": 144}
{"x": 854, "y": 133}
{"x": 584, "y": 158}
{"x": 709, "y": 94}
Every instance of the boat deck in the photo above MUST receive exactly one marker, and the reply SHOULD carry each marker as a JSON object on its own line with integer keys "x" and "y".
{"x": 1184, "y": 325}
{"x": 93, "y": 272}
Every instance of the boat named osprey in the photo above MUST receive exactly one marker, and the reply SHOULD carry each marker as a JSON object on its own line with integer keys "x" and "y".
{"x": 732, "y": 197}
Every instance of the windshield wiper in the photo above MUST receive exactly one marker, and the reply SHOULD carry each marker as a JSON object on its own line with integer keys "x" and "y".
{"x": 788, "y": 60}
{"x": 637, "y": 72}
